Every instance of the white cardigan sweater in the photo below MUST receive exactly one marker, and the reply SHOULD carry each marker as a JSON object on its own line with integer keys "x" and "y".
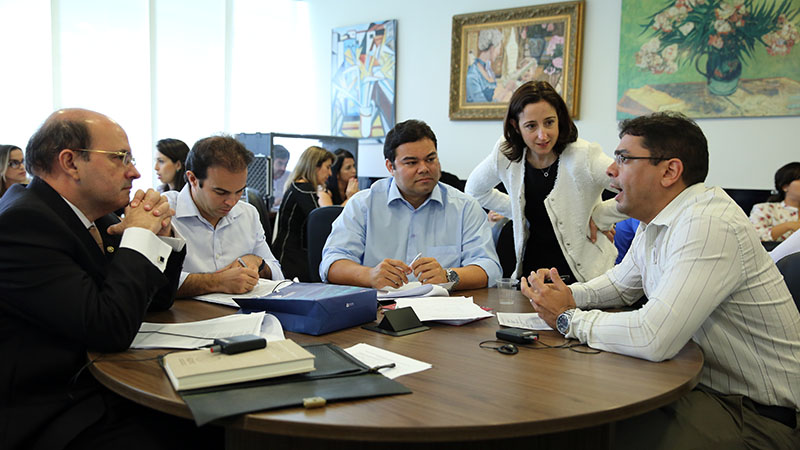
{"x": 575, "y": 197}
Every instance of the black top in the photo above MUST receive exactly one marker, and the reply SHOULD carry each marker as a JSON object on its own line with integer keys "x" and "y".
{"x": 290, "y": 244}
{"x": 335, "y": 196}
{"x": 542, "y": 249}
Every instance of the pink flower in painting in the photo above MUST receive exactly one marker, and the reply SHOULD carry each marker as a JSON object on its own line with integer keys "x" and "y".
{"x": 724, "y": 11}
{"x": 715, "y": 41}
{"x": 781, "y": 41}
{"x": 722, "y": 26}
{"x": 552, "y": 44}
{"x": 670, "y": 53}
{"x": 558, "y": 62}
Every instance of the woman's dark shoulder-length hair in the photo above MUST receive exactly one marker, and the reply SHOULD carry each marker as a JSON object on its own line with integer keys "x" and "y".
{"x": 176, "y": 150}
{"x": 534, "y": 92}
{"x": 785, "y": 175}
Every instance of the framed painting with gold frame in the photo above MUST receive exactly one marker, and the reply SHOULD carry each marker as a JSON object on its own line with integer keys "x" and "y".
{"x": 494, "y": 52}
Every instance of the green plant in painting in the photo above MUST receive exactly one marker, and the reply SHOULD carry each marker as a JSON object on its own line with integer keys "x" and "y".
{"x": 723, "y": 31}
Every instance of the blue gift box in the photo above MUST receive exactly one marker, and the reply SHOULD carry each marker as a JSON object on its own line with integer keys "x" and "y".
{"x": 317, "y": 308}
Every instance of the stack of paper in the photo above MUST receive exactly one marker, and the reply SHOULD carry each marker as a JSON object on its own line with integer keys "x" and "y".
{"x": 528, "y": 321}
{"x": 262, "y": 289}
{"x": 201, "y": 333}
{"x": 450, "y": 310}
{"x": 376, "y": 357}
{"x": 414, "y": 289}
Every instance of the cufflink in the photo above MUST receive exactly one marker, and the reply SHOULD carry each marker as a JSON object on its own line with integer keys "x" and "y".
{"x": 161, "y": 259}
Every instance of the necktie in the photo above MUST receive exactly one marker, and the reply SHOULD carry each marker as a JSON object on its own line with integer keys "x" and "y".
{"x": 96, "y": 235}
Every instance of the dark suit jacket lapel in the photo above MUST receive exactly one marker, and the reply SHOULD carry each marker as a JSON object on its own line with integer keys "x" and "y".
{"x": 55, "y": 202}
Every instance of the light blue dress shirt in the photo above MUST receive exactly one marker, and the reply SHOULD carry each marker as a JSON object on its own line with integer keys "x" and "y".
{"x": 378, "y": 223}
{"x": 210, "y": 249}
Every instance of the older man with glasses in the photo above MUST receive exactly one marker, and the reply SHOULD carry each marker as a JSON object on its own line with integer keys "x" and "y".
{"x": 74, "y": 278}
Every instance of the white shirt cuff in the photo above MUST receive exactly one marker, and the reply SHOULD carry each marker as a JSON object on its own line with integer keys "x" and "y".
{"x": 152, "y": 247}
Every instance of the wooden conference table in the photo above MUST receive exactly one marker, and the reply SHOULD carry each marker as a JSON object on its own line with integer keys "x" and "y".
{"x": 471, "y": 398}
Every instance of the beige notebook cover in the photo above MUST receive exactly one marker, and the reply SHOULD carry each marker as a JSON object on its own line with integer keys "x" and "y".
{"x": 200, "y": 368}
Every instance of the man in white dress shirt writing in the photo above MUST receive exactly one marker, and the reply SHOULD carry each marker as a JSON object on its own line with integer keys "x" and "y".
{"x": 226, "y": 248}
{"x": 708, "y": 279}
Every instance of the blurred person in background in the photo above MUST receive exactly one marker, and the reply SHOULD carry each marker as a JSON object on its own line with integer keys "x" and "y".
{"x": 171, "y": 164}
{"x": 12, "y": 167}
{"x": 343, "y": 182}
{"x": 305, "y": 193}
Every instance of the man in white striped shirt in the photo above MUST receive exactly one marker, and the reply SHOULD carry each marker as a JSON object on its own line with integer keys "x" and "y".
{"x": 707, "y": 277}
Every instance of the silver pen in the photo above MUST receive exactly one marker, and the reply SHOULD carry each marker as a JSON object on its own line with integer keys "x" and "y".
{"x": 415, "y": 259}
{"x": 241, "y": 261}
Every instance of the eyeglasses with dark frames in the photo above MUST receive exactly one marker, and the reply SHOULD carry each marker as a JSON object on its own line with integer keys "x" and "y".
{"x": 15, "y": 163}
{"x": 621, "y": 159}
{"x": 126, "y": 157}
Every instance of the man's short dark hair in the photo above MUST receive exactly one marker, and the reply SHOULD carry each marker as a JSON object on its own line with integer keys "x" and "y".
{"x": 403, "y": 133}
{"x": 220, "y": 151}
{"x": 53, "y": 136}
{"x": 672, "y": 135}
{"x": 279, "y": 152}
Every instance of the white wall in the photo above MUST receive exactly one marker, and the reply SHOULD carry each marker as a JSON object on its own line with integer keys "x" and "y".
{"x": 271, "y": 82}
{"x": 744, "y": 152}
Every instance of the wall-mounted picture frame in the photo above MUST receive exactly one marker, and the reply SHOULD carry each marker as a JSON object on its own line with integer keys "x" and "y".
{"x": 709, "y": 59}
{"x": 363, "y": 68}
{"x": 494, "y": 52}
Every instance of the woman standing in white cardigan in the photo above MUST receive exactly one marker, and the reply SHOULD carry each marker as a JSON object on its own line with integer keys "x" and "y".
{"x": 555, "y": 181}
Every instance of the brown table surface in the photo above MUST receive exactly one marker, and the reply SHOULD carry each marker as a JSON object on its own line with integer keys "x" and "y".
{"x": 469, "y": 394}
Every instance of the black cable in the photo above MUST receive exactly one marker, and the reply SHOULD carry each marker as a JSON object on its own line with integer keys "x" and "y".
{"x": 178, "y": 334}
{"x": 566, "y": 345}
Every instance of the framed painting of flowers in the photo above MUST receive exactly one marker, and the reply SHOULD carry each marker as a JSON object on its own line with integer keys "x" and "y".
{"x": 709, "y": 58}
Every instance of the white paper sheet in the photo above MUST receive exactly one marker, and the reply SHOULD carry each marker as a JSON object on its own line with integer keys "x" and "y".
{"x": 414, "y": 289}
{"x": 443, "y": 308}
{"x": 374, "y": 356}
{"x": 262, "y": 289}
{"x": 206, "y": 331}
{"x": 528, "y": 321}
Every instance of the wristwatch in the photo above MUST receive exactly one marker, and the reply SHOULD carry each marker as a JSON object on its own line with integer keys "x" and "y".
{"x": 563, "y": 321}
{"x": 452, "y": 277}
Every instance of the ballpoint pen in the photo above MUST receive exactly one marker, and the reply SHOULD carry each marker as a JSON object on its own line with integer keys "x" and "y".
{"x": 415, "y": 259}
{"x": 241, "y": 261}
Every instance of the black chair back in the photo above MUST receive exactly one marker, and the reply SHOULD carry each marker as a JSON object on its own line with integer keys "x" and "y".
{"x": 254, "y": 197}
{"x": 789, "y": 266}
{"x": 318, "y": 227}
{"x": 505, "y": 249}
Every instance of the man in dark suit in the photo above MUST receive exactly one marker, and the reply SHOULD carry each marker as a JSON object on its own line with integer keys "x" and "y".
{"x": 73, "y": 278}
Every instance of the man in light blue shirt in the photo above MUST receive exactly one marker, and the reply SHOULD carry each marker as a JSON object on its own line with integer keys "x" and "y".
{"x": 226, "y": 247}
{"x": 410, "y": 226}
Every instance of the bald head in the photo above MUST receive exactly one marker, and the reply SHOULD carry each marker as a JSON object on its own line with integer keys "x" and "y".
{"x": 71, "y": 128}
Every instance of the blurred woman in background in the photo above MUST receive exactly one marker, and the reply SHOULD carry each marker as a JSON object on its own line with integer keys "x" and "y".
{"x": 171, "y": 164}
{"x": 12, "y": 167}
{"x": 305, "y": 192}
{"x": 343, "y": 183}
{"x": 778, "y": 218}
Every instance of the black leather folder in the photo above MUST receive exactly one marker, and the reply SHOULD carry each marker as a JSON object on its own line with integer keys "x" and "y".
{"x": 337, "y": 376}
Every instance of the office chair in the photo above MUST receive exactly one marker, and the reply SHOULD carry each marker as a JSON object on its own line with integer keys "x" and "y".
{"x": 255, "y": 198}
{"x": 505, "y": 249}
{"x": 789, "y": 266}
{"x": 318, "y": 227}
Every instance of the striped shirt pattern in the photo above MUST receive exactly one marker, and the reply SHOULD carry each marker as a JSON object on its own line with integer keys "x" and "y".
{"x": 708, "y": 279}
